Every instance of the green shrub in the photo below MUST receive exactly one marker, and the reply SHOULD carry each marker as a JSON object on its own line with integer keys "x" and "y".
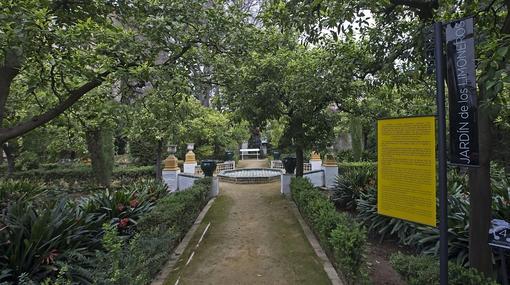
{"x": 82, "y": 174}
{"x": 346, "y": 166}
{"x": 342, "y": 237}
{"x": 382, "y": 226}
{"x": 500, "y": 182}
{"x": 122, "y": 207}
{"x": 350, "y": 184}
{"x": 143, "y": 151}
{"x": 424, "y": 238}
{"x": 424, "y": 270}
{"x": 28, "y": 160}
{"x": 11, "y": 190}
{"x": 36, "y": 244}
{"x": 159, "y": 231}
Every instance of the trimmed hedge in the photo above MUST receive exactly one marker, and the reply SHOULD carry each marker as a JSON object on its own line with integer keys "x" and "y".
{"x": 343, "y": 238}
{"x": 159, "y": 232}
{"x": 82, "y": 173}
{"x": 346, "y": 166}
{"x": 424, "y": 270}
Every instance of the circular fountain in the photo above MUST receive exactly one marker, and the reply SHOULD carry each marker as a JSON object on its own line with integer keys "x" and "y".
{"x": 250, "y": 175}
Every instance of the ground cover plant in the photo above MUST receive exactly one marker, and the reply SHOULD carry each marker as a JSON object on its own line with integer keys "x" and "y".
{"x": 79, "y": 240}
{"x": 423, "y": 239}
{"x": 424, "y": 270}
{"x": 342, "y": 236}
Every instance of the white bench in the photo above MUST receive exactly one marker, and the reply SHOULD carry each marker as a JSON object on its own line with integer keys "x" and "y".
{"x": 249, "y": 151}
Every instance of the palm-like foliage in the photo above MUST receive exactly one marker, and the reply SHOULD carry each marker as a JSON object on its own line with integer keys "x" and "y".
{"x": 35, "y": 241}
{"x": 350, "y": 184}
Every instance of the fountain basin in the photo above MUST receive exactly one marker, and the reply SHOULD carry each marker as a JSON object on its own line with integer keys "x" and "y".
{"x": 250, "y": 175}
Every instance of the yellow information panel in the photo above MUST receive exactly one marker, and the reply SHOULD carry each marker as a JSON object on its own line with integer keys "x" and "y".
{"x": 406, "y": 172}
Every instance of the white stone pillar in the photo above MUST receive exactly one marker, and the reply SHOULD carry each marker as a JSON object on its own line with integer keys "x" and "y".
{"x": 171, "y": 179}
{"x": 315, "y": 161}
{"x": 171, "y": 173}
{"x": 215, "y": 187}
{"x": 285, "y": 184}
{"x": 330, "y": 171}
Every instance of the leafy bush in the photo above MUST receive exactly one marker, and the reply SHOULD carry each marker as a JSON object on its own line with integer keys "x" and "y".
{"x": 424, "y": 270}
{"x": 500, "y": 182}
{"x": 123, "y": 207}
{"x": 138, "y": 261}
{"x": 423, "y": 238}
{"x": 346, "y": 166}
{"x": 143, "y": 151}
{"x": 426, "y": 239}
{"x": 41, "y": 241}
{"x": 379, "y": 225}
{"x": 344, "y": 238}
{"x": 11, "y": 190}
{"x": 82, "y": 173}
{"x": 350, "y": 184}
{"x": 37, "y": 244}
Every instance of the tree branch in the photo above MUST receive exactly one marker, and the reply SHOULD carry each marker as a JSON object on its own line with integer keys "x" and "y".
{"x": 34, "y": 122}
{"x": 425, "y": 7}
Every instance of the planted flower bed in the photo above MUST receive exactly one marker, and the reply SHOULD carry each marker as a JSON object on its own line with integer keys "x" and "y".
{"x": 111, "y": 237}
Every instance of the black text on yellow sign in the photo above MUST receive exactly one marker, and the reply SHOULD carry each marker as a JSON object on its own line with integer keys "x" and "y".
{"x": 406, "y": 172}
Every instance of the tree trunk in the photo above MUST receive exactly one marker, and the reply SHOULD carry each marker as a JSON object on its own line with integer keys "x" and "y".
{"x": 9, "y": 153}
{"x": 299, "y": 161}
{"x": 9, "y": 69}
{"x": 159, "y": 151}
{"x": 480, "y": 201}
{"x": 100, "y": 147}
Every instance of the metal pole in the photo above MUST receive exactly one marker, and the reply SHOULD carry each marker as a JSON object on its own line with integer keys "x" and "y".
{"x": 441, "y": 118}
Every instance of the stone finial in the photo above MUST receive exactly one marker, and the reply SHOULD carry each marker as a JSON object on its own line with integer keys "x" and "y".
{"x": 315, "y": 156}
{"x": 171, "y": 163}
{"x": 330, "y": 160}
{"x": 190, "y": 157}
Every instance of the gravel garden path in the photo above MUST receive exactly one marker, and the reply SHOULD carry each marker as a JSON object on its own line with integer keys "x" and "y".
{"x": 251, "y": 237}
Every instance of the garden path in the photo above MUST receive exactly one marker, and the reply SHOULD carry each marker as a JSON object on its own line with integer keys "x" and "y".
{"x": 253, "y": 238}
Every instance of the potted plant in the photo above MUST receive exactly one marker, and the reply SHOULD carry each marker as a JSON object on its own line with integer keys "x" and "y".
{"x": 290, "y": 164}
{"x": 208, "y": 166}
{"x": 229, "y": 155}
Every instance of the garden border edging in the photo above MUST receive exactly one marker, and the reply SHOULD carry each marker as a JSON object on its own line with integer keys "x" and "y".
{"x": 314, "y": 242}
{"x": 179, "y": 250}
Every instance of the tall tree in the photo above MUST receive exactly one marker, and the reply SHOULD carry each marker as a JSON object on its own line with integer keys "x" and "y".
{"x": 397, "y": 35}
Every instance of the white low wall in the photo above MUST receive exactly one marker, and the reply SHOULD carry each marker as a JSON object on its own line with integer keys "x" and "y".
{"x": 171, "y": 179}
{"x": 316, "y": 177}
{"x": 187, "y": 180}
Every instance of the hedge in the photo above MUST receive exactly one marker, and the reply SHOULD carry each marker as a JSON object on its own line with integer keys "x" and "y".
{"x": 72, "y": 174}
{"x": 343, "y": 238}
{"x": 424, "y": 270}
{"x": 346, "y": 166}
{"x": 160, "y": 231}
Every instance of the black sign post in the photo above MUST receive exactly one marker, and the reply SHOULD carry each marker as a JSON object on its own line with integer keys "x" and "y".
{"x": 461, "y": 77}
{"x": 441, "y": 142}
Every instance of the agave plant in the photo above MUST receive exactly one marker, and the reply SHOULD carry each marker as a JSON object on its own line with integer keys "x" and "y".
{"x": 36, "y": 243}
{"x": 427, "y": 238}
{"x": 122, "y": 207}
{"x": 423, "y": 238}
{"x": 350, "y": 184}
{"x": 382, "y": 226}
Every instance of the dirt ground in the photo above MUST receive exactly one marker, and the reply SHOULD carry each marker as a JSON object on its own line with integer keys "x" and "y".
{"x": 254, "y": 238}
{"x": 380, "y": 270}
